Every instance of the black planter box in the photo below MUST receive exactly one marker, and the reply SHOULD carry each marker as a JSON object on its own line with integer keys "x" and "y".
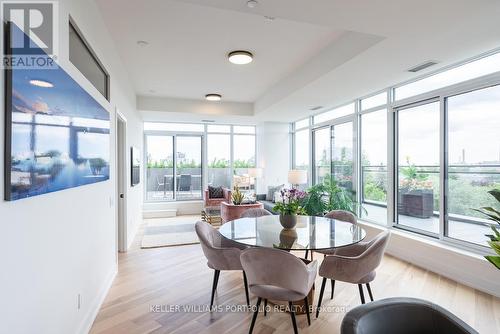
{"x": 416, "y": 203}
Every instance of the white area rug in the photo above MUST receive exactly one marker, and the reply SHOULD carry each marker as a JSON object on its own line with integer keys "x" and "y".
{"x": 165, "y": 232}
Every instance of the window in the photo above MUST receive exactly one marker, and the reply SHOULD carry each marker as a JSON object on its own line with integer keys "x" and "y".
{"x": 85, "y": 60}
{"x": 188, "y": 182}
{"x": 219, "y": 128}
{"x": 473, "y": 161}
{"x": 244, "y": 129}
{"x": 418, "y": 167}
{"x": 244, "y": 158}
{"x": 301, "y": 150}
{"x": 335, "y": 113}
{"x": 322, "y": 154}
{"x": 302, "y": 124}
{"x": 374, "y": 166}
{"x": 471, "y": 70}
{"x": 219, "y": 160}
{"x": 374, "y": 101}
{"x": 342, "y": 154}
{"x": 159, "y": 168}
{"x": 174, "y": 127}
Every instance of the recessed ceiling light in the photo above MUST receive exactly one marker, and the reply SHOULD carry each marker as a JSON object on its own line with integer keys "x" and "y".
{"x": 252, "y": 3}
{"x": 213, "y": 97}
{"x": 41, "y": 83}
{"x": 269, "y": 18}
{"x": 240, "y": 57}
{"x": 142, "y": 43}
{"x": 152, "y": 91}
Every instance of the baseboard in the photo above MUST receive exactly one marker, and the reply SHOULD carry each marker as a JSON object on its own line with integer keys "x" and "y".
{"x": 89, "y": 319}
{"x": 159, "y": 213}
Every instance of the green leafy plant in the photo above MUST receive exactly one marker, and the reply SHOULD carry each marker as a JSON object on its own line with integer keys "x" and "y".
{"x": 327, "y": 196}
{"x": 290, "y": 203}
{"x": 494, "y": 242}
{"x": 237, "y": 196}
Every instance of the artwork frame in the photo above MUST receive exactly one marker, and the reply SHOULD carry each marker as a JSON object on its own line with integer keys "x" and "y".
{"x": 57, "y": 135}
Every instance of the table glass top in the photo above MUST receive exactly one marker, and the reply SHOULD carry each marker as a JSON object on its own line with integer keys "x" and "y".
{"x": 313, "y": 233}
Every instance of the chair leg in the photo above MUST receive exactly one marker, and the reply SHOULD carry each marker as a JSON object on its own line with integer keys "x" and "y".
{"x": 265, "y": 307}
{"x": 292, "y": 314}
{"x": 369, "y": 291}
{"x": 214, "y": 287}
{"x": 255, "y": 313}
{"x": 307, "y": 253}
{"x": 360, "y": 287}
{"x": 245, "y": 282}
{"x": 306, "y": 304}
{"x": 321, "y": 296}
{"x": 312, "y": 256}
{"x": 332, "y": 282}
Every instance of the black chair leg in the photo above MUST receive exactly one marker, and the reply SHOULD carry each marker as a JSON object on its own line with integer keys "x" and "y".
{"x": 332, "y": 282}
{"x": 245, "y": 282}
{"x": 255, "y": 313}
{"x": 292, "y": 314}
{"x": 369, "y": 291}
{"x": 214, "y": 287}
{"x": 265, "y": 307}
{"x": 307, "y": 253}
{"x": 306, "y": 304}
{"x": 360, "y": 287}
{"x": 321, "y": 296}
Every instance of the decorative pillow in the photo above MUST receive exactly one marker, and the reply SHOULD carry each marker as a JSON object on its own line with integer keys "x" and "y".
{"x": 277, "y": 197}
{"x": 271, "y": 190}
{"x": 248, "y": 198}
{"x": 215, "y": 192}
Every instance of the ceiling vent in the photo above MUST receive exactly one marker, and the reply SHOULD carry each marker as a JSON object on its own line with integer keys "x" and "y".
{"x": 315, "y": 108}
{"x": 422, "y": 66}
{"x": 208, "y": 121}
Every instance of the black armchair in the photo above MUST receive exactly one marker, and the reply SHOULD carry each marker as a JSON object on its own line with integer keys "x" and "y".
{"x": 403, "y": 316}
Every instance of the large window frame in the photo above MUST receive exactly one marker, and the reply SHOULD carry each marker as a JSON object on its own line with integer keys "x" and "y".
{"x": 203, "y": 133}
{"x": 441, "y": 95}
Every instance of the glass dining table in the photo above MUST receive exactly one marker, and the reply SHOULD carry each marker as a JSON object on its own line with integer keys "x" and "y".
{"x": 310, "y": 233}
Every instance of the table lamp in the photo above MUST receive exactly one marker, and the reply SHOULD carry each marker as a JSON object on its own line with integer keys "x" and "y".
{"x": 297, "y": 176}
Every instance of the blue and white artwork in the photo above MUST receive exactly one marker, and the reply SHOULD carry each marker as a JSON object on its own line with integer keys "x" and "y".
{"x": 57, "y": 134}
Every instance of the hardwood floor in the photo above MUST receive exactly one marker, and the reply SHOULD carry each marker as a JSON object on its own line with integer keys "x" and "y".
{"x": 179, "y": 276}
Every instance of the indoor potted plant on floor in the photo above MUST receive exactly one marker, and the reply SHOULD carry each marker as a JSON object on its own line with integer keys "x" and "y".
{"x": 289, "y": 206}
{"x": 494, "y": 216}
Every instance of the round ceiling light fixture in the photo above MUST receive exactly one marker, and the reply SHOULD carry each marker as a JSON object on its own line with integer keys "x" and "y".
{"x": 252, "y": 3}
{"x": 213, "y": 97}
{"x": 142, "y": 43}
{"x": 240, "y": 57}
{"x": 41, "y": 83}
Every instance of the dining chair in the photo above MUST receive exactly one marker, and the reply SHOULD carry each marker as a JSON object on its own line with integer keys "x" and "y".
{"x": 341, "y": 215}
{"x": 221, "y": 254}
{"x": 355, "y": 264}
{"x": 403, "y": 316}
{"x": 255, "y": 212}
{"x": 275, "y": 274}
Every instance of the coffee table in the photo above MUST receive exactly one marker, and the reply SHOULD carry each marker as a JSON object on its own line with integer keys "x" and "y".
{"x": 211, "y": 215}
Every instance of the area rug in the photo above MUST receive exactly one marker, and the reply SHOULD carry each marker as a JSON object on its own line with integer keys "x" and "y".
{"x": 166, "y": 232}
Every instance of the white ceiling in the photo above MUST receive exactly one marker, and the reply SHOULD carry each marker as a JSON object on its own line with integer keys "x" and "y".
{"x": 321, "y": 52}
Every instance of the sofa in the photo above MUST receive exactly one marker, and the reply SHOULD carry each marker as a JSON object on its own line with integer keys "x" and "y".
{"x": 268, "y": 205}
{"x": 217, "y": 201}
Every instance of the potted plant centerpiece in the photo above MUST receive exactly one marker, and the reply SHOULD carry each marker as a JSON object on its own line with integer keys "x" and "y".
{"x": 289, "y": 207}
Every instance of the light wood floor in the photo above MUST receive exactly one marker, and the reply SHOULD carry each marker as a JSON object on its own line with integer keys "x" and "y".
{"x": 179, "y": 276}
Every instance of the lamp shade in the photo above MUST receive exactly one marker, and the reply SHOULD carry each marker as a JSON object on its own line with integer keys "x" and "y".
{"x": 296, "y": 176}
{"x": 255, "y": 172}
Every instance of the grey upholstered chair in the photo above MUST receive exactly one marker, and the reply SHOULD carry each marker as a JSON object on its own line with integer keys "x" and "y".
{"x": 255, "y": 212}
{"x": 355, "y": 264}
{"x": 402, "y": 316}
{"x": 278, "y": 275}
{"x": 221, "y": 253}
{"x": 341, "y": 215}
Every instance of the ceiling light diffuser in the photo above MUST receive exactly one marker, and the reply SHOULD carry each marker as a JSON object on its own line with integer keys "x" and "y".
{"x": 41, "y": 83}
{"x": 213, "y": 97}
{"x": 240, "y": 57}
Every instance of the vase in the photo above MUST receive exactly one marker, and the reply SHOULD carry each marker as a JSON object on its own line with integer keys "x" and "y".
{"x": 288, "y": 221}
{"x": 288, "y": 236}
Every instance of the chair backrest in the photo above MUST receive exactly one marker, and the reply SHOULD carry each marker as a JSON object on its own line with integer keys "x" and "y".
{"x": 402, "y": 316}
{"x": 210, "y": 239}
{"x": 342, "y": 215}
{"x": 373, "y": 254}
{"x": 255, "y": 212}
{"x": 267, "y": 266}
{"x": 185, "y": 182}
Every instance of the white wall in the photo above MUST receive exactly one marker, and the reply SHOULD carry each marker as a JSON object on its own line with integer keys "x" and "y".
{"x": 56, "y": 246}
{"x": 273, "y": 154}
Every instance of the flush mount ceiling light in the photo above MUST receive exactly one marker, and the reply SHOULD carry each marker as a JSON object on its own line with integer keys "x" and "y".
{"x": 142, "y": 43}
{"x": 213, "y": 97}
{"x": 41, "y": 83}
{"x": 252, "y": 3}
{"x": 240, "y": 57}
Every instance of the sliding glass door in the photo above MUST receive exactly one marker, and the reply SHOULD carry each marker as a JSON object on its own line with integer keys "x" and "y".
{"x": 321, "y": 154}
{"x": 174, "y": 167}
{"x": 418, "y": 161}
